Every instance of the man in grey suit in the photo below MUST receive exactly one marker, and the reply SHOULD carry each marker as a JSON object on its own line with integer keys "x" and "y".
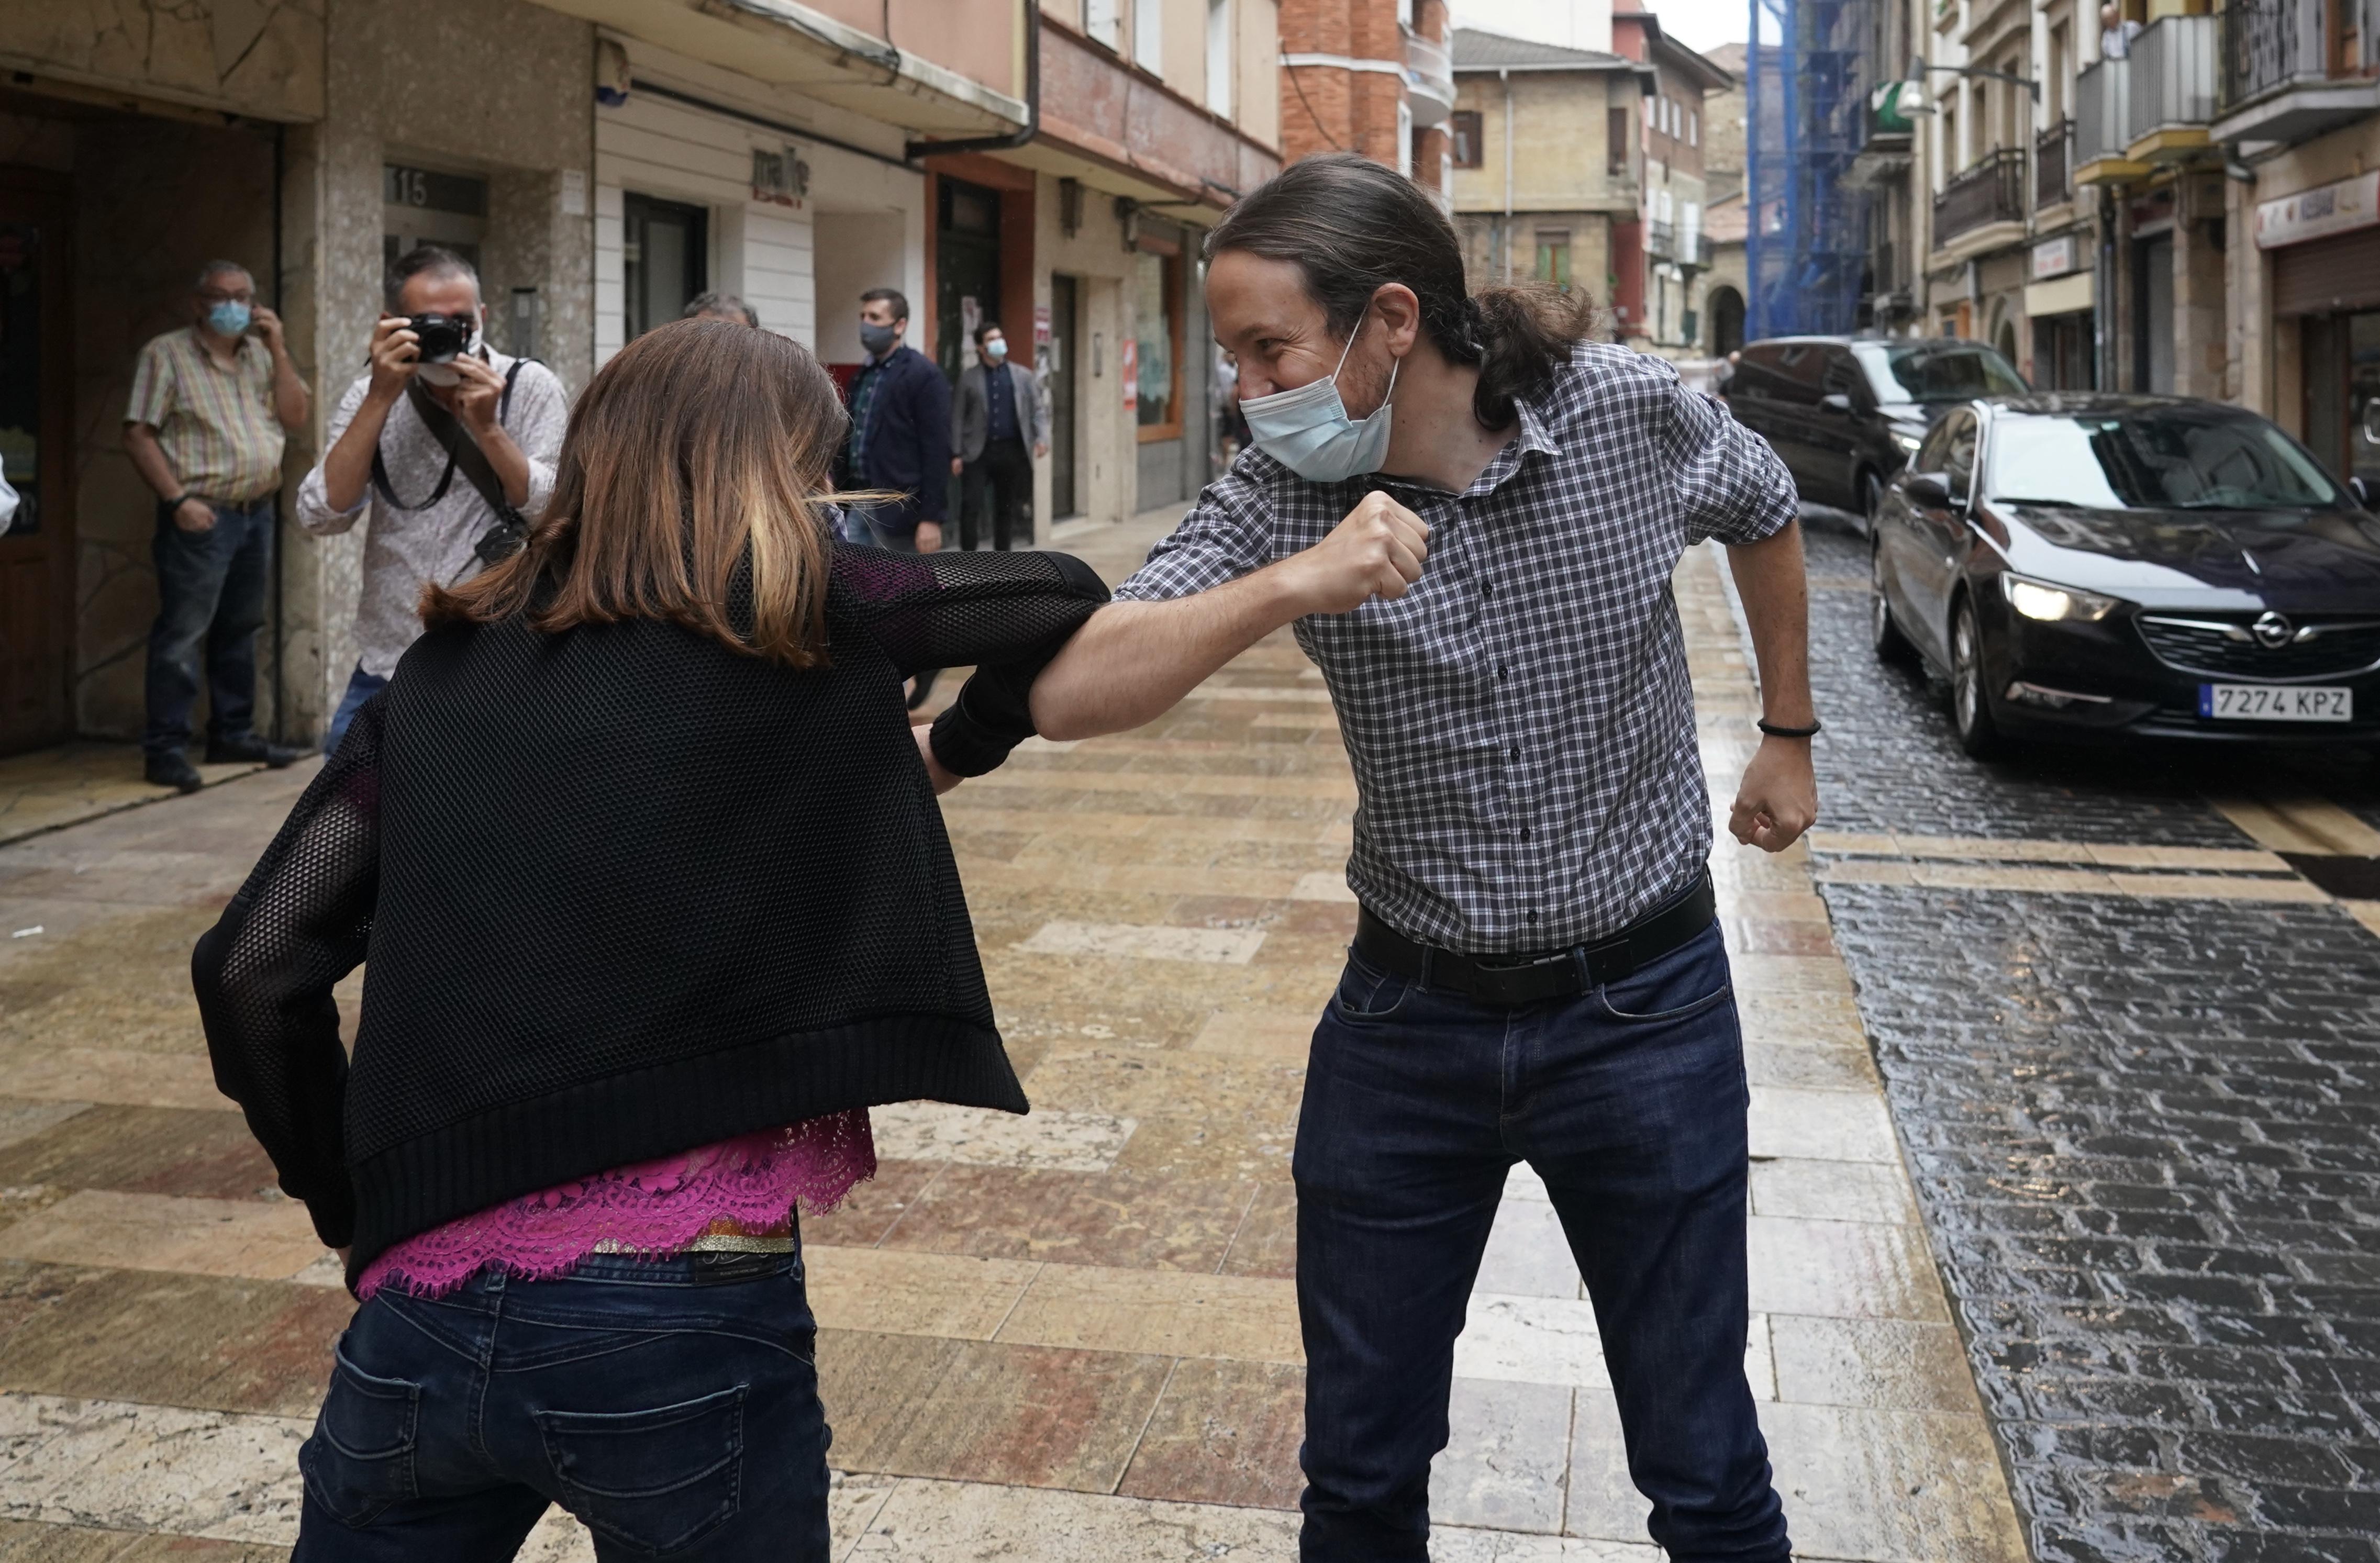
{"x": 1002, "y": 410}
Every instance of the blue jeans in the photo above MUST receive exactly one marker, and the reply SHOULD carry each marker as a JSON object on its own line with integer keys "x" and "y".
{"x": 859, "y": 522}
{"x": 670, "y": 1404}
{"x": 1629, "y": 1101}
{"x": 211, "y": 590}
{"x": 361, "y": 686}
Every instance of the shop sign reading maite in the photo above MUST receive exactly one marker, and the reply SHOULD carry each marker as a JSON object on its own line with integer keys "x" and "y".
{"x": 2315, "y": 214}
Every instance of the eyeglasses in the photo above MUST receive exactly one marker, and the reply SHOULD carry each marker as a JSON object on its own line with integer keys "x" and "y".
{"x": 216, "y": 296}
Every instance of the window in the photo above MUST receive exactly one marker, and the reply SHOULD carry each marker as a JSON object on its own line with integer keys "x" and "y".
{"x": 1694, "y": 128}
{"x": 663, "y": 259}
{"x": 1148, "y": 35}
{"x": 1618, "y": 131}
{"x": 1404, "y": 138}
{"x": 1462, "y": 132}
{"x": 1553, "y": 257}
{"x": 1157, "y": 328}
{"x": 1103, "y": 21}
{"x": 1959, "y": 457}
{"x": 1219, "y": 57}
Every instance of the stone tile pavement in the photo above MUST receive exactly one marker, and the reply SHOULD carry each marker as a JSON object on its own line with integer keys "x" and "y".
{"x": 59, "y": 786}
{"x": 1071, "y": 1336}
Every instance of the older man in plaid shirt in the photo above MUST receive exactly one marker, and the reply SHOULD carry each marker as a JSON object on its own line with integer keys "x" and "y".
{"x": 1480, "y": 565}
{"x": 210, "y": 404}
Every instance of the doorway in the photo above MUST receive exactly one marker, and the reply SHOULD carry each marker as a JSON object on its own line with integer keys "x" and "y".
{"x": 2152, "y": 336}
{"x": 1065, "y": 303}
{"x": 1726, "y": 306}
{"x": 37, "y": 552}
{"x": 664, "y": 260}
{"x": 966, "y": 277}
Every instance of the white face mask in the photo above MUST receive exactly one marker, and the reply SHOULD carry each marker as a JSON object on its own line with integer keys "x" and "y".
{"x": 1307, "y": 430}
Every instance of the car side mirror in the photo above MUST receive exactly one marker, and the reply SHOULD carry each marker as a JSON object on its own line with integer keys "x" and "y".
{"x": 1929, "y": 490}
{"x": 1835, "y": 401}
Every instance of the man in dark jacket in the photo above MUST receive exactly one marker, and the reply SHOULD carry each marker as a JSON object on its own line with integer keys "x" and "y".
{"x": 900, "y": 433}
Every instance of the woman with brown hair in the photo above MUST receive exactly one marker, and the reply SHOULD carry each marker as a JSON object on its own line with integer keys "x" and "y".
{"x": 658, "y": 903}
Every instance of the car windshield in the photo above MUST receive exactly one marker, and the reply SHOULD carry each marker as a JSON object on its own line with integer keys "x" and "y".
{"x": 1924, "y": 371}
{"x": 2159, "y": 459}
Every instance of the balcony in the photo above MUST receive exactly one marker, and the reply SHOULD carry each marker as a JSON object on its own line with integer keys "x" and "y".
{"x": 2102, "y": 106}
{"x": 2173, "y": 78}
{"x": 2053, "y": 155}
{"x": 2285, "y": 78}
{"x": 1662, "y": 240}
{"x": 1986, "y": 196}
{"x": 1429, "y": 81}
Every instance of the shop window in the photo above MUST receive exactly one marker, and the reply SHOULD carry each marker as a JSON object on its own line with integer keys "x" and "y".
{"x": 1464, "y": 130}
{"x": 1553, "y": 258}
{"x": 664, "y": 260}
{"x": 1157, "y": 330}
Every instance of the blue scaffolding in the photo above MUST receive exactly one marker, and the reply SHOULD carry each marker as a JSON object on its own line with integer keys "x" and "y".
{"x": 1805, "y": 104}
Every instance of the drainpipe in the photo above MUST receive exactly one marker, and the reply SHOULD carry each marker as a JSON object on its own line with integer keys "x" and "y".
{"x": 1506, "y": 77}
{"x": 1024, "y": 134}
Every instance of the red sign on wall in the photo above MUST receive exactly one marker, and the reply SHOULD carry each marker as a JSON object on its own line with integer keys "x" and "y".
{"x": 1129, "y": 351}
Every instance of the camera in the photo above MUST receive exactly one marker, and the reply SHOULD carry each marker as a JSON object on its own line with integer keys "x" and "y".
{"x": 443, "y": 338}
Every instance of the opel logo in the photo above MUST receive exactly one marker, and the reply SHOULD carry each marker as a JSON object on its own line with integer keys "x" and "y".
{"x": 2272, "y": 632}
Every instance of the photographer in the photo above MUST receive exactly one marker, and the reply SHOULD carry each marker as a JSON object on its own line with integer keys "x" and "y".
{"x": 449, "y": 443}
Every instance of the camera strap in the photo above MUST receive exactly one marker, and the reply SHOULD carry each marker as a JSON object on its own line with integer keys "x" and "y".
{"x": 462, "y": 451}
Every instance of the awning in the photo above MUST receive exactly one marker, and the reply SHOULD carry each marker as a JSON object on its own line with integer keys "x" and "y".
{"x": 788, "y": 45}
{"x": 2060, "y": 295}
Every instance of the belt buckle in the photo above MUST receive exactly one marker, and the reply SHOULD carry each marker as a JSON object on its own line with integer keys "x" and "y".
{"x": 1495, "y": 977}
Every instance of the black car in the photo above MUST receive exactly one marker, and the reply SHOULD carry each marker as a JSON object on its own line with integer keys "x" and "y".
{"x": 2101, "y": 567}
{"x": 1846, "y": 412}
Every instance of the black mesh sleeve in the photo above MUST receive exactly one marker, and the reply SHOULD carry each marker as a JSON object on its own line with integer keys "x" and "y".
{"x": 1005, "y": 614}
{"x": 264, "y": 974}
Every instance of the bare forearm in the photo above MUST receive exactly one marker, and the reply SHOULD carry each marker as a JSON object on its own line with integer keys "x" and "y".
{"x": 1134, "y": 661}
{"x": 510, "y": 462}
{"x": 149, "y": 460}
{"x": 1776, "y": 592}
{"x": 348, "y": 468}
{"x": 292, "y": 400}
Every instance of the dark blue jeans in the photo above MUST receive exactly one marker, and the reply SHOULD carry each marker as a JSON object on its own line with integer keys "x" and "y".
{"x": 361, "y": 686}
{"x": 1630, "y": 1102}
{"x": 670, "y": 1404}
{"x": 211, "y": 590}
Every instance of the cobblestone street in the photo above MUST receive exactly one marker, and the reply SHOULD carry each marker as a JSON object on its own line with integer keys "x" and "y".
{"x": 2133, "y": 1054}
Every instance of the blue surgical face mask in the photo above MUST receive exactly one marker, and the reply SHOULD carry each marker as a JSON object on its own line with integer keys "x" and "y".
{"x": 877, "y": 339}
{"x": 228, "y": 317}
{"x": 996, "y": 349}
{"x": 1308, "y": 431}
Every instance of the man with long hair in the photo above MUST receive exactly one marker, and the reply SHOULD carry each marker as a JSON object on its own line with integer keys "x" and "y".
{"x": 1469, "y": 512}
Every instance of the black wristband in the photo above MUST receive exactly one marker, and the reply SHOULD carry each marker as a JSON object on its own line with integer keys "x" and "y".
{"x": 178, "y": 499}
{"x": 1773, "y": 731}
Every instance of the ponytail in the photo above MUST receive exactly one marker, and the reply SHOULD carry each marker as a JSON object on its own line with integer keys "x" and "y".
{"x": 1352, "y": 226}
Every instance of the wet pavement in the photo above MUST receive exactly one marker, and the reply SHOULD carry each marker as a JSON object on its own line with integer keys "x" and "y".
{"x": 2132, "y": 1052}
{"x": 1070, "y": 1338}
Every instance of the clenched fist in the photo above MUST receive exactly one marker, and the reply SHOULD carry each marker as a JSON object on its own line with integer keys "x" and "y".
{"x": 1376, "y": 551}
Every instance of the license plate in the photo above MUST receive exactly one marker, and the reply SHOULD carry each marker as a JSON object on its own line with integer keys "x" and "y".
{"x": 2265, "y": 702}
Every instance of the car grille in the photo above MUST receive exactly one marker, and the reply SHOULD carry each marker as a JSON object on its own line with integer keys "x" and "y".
{"x": 2201, "y": 644}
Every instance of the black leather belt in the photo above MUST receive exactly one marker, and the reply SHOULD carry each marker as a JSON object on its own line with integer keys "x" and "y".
{"x": 1510, "y": 980}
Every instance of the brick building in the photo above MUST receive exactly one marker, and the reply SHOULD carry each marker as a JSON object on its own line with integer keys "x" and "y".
{"x": 1369, "y": 76}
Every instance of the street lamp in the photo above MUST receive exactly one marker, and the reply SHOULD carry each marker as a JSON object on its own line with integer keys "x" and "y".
{"x": 1918, "y": 70}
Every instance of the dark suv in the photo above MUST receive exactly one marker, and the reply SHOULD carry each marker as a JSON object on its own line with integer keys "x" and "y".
{"x": 1845, "y": 412}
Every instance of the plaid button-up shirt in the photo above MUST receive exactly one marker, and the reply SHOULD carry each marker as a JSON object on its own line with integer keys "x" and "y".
{"x": 215, "y": 425}
{"x": 1520, "y": 722}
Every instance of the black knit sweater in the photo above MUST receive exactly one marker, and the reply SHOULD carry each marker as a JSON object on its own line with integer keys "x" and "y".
{"x": 625, "y": 892}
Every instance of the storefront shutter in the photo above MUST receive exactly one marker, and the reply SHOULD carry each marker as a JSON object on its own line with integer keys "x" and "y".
{"x": 2342, "y": 273}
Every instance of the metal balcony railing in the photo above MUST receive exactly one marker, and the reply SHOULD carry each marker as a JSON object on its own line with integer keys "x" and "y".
{"x": 2268, "y": 44}
{"x": 2173, "y": 80}
{"x": 1662, "y": 240}
{"x": 2053, "y": 162}
{"x": 1429, "y": 79}
{"x": 1884, "y": 268}
{"x": 2102, "y": 106}
{"x": 1992, "y": 192}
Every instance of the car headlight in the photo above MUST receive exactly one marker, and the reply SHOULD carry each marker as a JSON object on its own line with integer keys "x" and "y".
{"x": 2053, "y": 604}
{"x": 1909, "y": 443}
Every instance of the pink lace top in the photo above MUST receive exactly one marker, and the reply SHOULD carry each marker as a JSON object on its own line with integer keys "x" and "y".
{"x": 750, "y": 1184}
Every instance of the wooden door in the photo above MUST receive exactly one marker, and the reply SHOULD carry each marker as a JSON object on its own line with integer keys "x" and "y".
{"x": 37, "y": 552}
